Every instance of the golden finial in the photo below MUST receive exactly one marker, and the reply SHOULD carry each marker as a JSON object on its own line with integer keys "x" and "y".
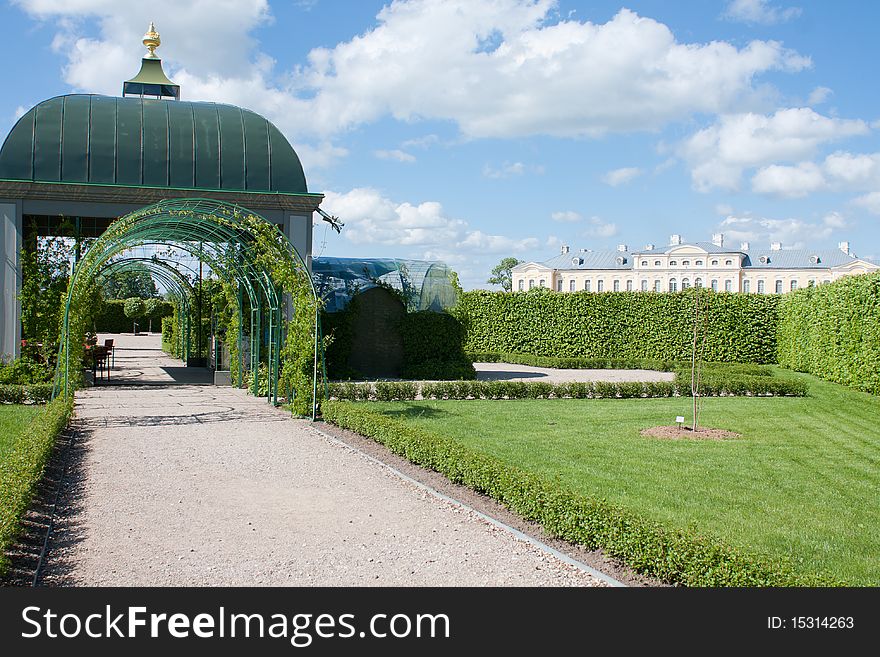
{"x": 152, "y": 41}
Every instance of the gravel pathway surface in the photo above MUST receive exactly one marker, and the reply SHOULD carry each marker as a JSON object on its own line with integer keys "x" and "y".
{"x": 508, "y": 372}
{"x": 199, "y": 485}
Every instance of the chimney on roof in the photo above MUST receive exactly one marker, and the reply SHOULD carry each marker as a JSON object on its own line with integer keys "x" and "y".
{"x": 776, "y": 246}
{"x": 649, "y": 247}
{"x": 565, "y": 249}
{"x": 622, "y": 248}
{"x": 674, "y": 240}
{"x": 718, "y": 239}
{"x": 844, "y": 246}
{"x": 743, "y": 246}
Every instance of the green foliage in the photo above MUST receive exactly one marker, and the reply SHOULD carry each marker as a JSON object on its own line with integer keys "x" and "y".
{"x": 676, "y": 556}
{"x": 833, "y": 331}
{"x": 576, "y": 363}
{"x": 133, "y": 281}
{"x": 501, "y": 274}
{"x": 25, "y": 393}
{"x": 22, "y": 370}
{"x": 21, "y": 468}
{"x": 112, "y": 318}
{"x": 134, "y": 308}
{"x": 624, "y": 325}
{"x": 433, "y": 347}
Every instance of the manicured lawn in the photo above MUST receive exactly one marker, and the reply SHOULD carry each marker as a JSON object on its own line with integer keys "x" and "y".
{"x": 13, "y": 420}
{"x": 802, "y": 483}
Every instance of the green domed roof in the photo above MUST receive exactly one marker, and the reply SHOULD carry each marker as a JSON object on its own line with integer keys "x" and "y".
{"x": 89, "y": 139}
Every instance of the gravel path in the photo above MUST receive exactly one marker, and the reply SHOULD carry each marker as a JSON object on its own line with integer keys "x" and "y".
{"x": 198, "y": 485}
{"x": 508, "y": 372}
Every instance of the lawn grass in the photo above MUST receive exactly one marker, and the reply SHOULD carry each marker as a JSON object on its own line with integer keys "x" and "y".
{"x": 801, "y": 483}
{"x": 14, "y": 418}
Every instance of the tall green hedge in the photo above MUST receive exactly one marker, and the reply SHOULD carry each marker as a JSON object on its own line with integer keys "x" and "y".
{"x": 833, "y": 331}
{"x": 627, "y": 325}
{"x": 433, "y": 347}
{"x": 112, "y": 318}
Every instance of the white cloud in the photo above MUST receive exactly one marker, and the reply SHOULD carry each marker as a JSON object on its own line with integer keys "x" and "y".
{"x": 507, "y": 170}
{"x": 320, "y": 156}
{"x": 421, "y": 142}
{"x": 396, "y": 154}
{"x": 719, "y": 154}
{"x": 871, "y": 202}
{"x": 425, "y": 59}
{"x": 819, "y": 95}
{"x": 566, "y": 216}
{"x": 760, "y": 12}
{"x": 840, "y": 171}
{"x": 790, "y": 182}
{"x": 793, "y": 232}
{"x": 621, "y": 176}
{"x": 371, "y": 218}
{"x": 723, "y": 209}
{"x": 599, "y": 228}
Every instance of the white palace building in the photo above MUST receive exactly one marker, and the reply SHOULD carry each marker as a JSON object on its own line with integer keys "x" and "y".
{"x": 697, "y": 264}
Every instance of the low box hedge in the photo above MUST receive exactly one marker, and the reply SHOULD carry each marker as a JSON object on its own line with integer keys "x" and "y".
{"x": 672, "y": 555}
{"x": 24, "y": 393}
{"x": 710, "y": 386}
{"x": 21, "y": 469}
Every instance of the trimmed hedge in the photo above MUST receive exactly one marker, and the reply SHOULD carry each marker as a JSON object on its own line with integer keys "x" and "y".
{"x": 710, "y": 386}
{"x": 433, "y": 347}
{"x": 833, "y": 331}
{"x": 674, "y": 556}
{"x": 22, "y": 467}
{"x": 620, "y": 325}
{"x": 112, "y": 317}
{"x": 24, "y": 393}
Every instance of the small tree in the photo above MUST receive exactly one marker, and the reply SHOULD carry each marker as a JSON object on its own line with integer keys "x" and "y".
{"x": 501, "y": 274}
{"x": 151, "y": 307}
{"x": 134, "y": 308}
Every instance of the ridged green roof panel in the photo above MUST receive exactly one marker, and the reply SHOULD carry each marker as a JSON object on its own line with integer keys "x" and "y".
{"x": 89, "y": 139}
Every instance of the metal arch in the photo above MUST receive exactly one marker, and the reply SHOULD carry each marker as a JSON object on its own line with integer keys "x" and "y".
{"x": 212, "y": 230}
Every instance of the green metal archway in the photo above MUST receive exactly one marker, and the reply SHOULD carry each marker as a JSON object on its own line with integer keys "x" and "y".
{"x": 224, "y": 236}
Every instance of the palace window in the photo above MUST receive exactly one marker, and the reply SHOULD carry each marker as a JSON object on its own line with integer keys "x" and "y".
{"x": 656, "y": 263}
{"x": 543, "y": 283}
{"x": 600, "y": 285}
{"x": 699, "y": 263}
{"x": 645, "y": 285}
{"x": 571, "y": 285}
{"x": 747, "y": 286}
{"x": 778, "y": 287}
{"x": 793, "y": 286}
{"x": 521, "y": 284}
{"x": 728, "y": 262}
{"x": 714, "y": 263}
{"x": 698, "y": 282}
{"x": 760, "y": 287}
{"x": 644, "y": 263}
{"x": 714, "y": 285}
{"x": 657, "y": 285}
{"x": 673, "y": 285}
{"x": 629, "y": 286}
{"x": 673, "y": 263}
{"x": 587, "y": 285}
{"x": 559, "y": 285}
{"x": 531, "y": 283}
{"x": 728, "y": 286}
{"x": 685, "y": 263}
{"x": 617, "y": 286}
{"x": 685, "y": 283}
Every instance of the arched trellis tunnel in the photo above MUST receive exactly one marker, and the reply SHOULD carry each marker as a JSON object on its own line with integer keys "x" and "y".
{"x": 248, "y": 254}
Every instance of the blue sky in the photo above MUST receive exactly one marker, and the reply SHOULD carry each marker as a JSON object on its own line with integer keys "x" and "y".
{"x": 469, "y": 131}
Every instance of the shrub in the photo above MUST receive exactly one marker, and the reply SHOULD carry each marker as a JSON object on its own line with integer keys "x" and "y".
{"x": 111, "y": 316}
{"x": 35, "y": 393}
{"x": 675, "y": 556}
{"x": 22, "y": 468}
{"x": 433, "y": 347}
{"x": 620, "y": 325}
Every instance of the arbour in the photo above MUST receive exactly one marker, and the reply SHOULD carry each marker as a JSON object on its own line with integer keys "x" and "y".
{"x": 253, "y": 260}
